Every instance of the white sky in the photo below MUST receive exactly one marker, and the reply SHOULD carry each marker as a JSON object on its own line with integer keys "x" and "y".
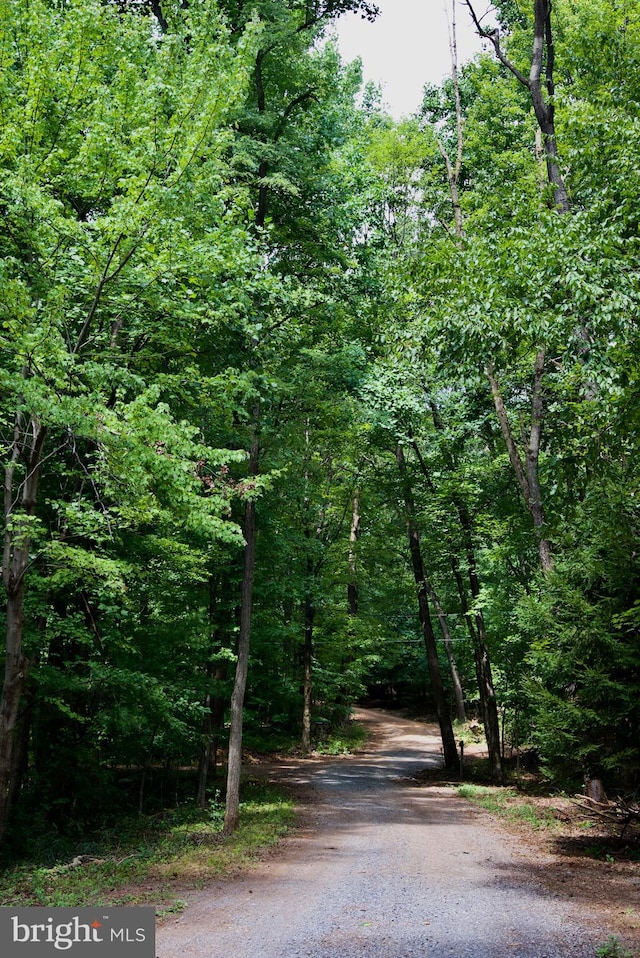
{"x": 407, "y": 46}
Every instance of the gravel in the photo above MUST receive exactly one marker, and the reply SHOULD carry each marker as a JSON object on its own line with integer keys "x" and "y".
{"x": 385, "y": 869}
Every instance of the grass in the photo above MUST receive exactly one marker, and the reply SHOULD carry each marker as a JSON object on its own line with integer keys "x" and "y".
{"x": 508, "y": 804}
{"x": 343, "y": 741}
{"x": 153, "y": 859}
{"x": 468, "y": 732}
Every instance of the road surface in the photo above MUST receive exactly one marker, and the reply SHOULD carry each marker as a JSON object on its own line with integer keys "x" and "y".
{"x": 384, "y": 869}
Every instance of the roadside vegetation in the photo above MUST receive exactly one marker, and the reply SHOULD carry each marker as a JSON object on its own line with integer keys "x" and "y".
{"x": 508, "y": 804}
{"x": 343, "y": 741}
{"x": 153, "y": 858}
{"x": 583, "y": 857}
{"x": 300, "y": 404}
{"x": 146, "y": 859}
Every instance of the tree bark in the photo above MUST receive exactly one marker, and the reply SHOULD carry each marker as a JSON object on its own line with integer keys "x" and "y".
{"x": 448, "y": 647}
{"x": 218, "y": 705}
{"x": 527, "y": 472}
{"x": 234, "y": 760}
{"x": 211, "y": 724}
{"x": 19, "y": 509}
{"x": 354, "y": 535}
{"x": 475, "y": 623}
{"x": 444, "y": 717}
{"x": 542, "y": 54}
{"x": 307, "y": 668}
{"x": 205, "y": 752}
{"x": 207, "y": 728}
{"x": 20, "y": 752}
{"x": 542, "y": 94}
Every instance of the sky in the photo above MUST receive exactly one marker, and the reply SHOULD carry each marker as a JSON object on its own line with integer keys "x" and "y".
{"x": 407, "y": 46}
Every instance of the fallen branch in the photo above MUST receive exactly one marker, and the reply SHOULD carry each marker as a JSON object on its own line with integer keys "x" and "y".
{"x": 618, "y": 811}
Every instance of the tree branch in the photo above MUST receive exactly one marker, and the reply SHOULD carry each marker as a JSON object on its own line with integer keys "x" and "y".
{"x": 297, "y": 100}
{"x": 494, "y": 36}
{"x": 512, "y": 449}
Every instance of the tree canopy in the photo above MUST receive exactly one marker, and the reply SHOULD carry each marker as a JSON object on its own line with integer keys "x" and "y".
{"x": 299, "y": 404}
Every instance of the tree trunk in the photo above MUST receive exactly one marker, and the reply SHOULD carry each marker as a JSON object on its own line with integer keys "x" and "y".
{"x": 207, "y": 728}
{"x": 218, "y": 705}
{"x": 454, "y": 167}
{"x": 307, "y": 665}
{"x": 544, "y": 49}
{"x": 444, "y": 717}
{"x": 20, "y": 754}
{"x": 475, "y": 623}
{"x": 542, "y": 56}
{"x": 216, "y": 672}
{"x": 15, "y": 677}
{"x": 204, "y": 761}
{"x": 473, "y": 635}
{"x": 527, "y": 472}
{"x": 234, "y": 760}
{"x": 308, "y": 607}
{"x": 211, "y": 725}
{"x": 19, "y": 508}
{"x": 354, "y": 535}
{"x": 488, "y": 703}
{"x": 448, "y": 647}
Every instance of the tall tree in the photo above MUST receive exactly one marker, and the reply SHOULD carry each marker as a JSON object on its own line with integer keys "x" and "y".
{"x": 444, "y": 715}
{"x": 279, "y": 148}
{"x": 99, "y": 176}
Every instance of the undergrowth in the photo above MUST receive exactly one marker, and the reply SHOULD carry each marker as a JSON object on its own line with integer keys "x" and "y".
{"x": 148, "y": 859}
{"x": 341, "y": 738}
{"x": 613, "y": 949}
{"x": 508, "y": 804}
{"x": 344, "y": 740}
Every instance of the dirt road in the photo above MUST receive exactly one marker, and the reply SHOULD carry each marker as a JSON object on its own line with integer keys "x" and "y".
{"x": 383, "y": 869}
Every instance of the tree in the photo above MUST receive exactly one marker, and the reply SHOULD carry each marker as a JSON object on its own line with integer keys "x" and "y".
{"x": 539, "y": 294}
{"x": 444, "y": 715}
{"x": 111, "y": 183}
{"x": 540, "y": 90}
{"x": 277, "y": 152}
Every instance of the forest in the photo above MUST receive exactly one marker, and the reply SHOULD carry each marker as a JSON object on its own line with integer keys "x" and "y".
{"x": 302, "y": 405}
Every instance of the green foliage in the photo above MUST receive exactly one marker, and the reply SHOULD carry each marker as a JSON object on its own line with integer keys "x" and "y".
{"x": 151, "y": 303}
{"x": 612, "y": 948}
{"x": 348, "y": 739}
{"x": 116, "y": 865}
{"x": 121, "y": 220}
{"x": 564, "y": 647}
{"x": 205, "y": 236}
{"x": 508, "y": 805}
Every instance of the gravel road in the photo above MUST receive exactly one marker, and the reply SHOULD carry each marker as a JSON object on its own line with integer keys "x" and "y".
{"x": 383, "y": 869}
